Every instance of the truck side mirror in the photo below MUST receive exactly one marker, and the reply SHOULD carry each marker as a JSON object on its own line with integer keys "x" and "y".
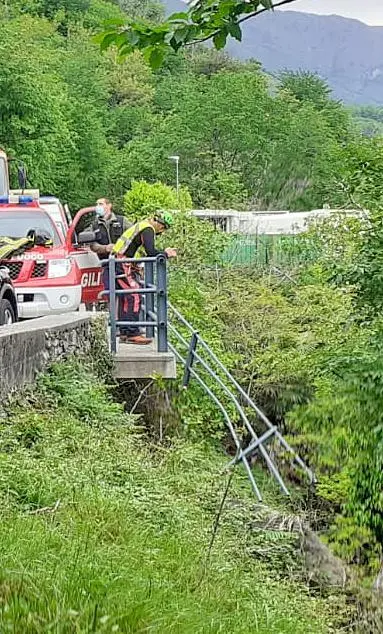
{"x": 87, "y": 237}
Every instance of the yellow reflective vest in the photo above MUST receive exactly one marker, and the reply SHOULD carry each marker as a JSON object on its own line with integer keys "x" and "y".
{"x": 122, "y": 245}
{"x": 10, "y": 247}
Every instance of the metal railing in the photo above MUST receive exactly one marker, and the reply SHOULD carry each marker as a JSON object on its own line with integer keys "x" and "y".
{"x": 236, "y": 397}
{"x": 204, "y": 366}
{"x": 153, "y": 289}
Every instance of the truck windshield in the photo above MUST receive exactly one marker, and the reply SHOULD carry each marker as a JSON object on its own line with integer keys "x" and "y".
{"x": 16, "y": 223}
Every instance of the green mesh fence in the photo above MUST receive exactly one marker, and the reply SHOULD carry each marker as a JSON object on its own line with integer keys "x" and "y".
{"x": 265, "y": 251}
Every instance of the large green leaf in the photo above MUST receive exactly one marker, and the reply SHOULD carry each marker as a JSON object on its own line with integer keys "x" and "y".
{"x": 235, "y": 31}
{"x": 219, "y": 39}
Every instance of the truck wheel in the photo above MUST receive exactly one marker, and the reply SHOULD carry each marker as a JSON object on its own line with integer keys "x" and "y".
{"x": 7, "y": 314}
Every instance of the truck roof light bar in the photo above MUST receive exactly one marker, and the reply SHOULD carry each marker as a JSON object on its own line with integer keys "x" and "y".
{"x": 16, "y": 200}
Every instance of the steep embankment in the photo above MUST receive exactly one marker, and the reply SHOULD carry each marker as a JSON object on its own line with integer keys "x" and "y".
{"x": 104, "y": 531}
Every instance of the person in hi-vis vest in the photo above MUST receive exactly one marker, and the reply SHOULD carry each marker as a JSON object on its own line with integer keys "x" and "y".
{"x": 138, "y": 238}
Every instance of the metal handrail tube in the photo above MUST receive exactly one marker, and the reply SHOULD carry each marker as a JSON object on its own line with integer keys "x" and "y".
{"x": 162, "y": 304}
{"x": 141, "y": 324}
{"x": 179, "y": 336}
{"x": 190, "y": 359}
{"x": 261, "y": 415}
{"x": 149, "y": 299}
{"x": 129, "y": 260}
{"x": 254, "y": 445}
{"x": 278, "y": 434}
{"x": 228, "y": 421}
{"x": 250, "y": 401}
{"x": 220, "y": 364}
{"x": 112, "y": 305}
{"x": 246, "y": 421}
{"x": 181, "y": 318}
{"x": 147, "y": 290}
{"x": 134, "y": 291}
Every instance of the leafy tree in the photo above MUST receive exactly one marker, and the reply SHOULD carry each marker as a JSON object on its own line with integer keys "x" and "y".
{"x": 129, "y": 84}
{"x": 41, "y": 136}
{"x": 208, "y": 61}
{"x": 219, "y": 190}
{"x": 50, "y": 8}
{"x": 309, "y": 88}
{"x": 151, "y": 10}
{"x": 259, "y": 150}
{"x": 306, "y": 86}
{"x": 145, "y": 198}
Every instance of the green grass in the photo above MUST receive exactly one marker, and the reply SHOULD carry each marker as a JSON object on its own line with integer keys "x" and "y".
{"x": 103, "y": 532}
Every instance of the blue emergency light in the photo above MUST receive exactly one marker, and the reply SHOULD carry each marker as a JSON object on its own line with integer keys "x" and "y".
{"x": 22, "y": 200}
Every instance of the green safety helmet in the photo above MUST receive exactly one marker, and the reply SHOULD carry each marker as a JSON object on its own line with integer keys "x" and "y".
{"x": 165, "y": 218}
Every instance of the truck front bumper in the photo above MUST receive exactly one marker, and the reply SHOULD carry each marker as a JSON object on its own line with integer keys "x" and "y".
{"x": 39, "y": 302}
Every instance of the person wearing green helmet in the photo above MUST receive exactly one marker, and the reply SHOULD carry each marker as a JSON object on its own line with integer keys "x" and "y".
{"x": 138, "y": 241}
{"x": 165, "y": 218}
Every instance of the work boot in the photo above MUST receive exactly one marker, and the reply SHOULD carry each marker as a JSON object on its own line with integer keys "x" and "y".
{"x": 138, "y": 340}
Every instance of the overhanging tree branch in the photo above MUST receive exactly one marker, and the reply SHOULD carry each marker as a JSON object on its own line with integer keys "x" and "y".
{"x": 250, "y": 16}
{"x": 200, "y": 23}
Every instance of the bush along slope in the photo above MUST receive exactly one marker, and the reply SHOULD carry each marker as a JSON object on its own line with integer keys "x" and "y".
{"x": 104, "y": 531}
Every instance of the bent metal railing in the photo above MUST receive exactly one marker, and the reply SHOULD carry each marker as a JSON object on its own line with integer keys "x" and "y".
{"x": 153, "y": 289}
{"x": 209, "y": 372}
{"x": 238, "y": 398}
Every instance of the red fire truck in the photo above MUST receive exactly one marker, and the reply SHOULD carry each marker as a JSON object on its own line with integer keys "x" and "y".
{"x": 59, "y": 272}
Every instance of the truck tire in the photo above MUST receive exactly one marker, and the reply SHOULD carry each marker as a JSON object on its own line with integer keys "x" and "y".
{"x": 7, "y": 314}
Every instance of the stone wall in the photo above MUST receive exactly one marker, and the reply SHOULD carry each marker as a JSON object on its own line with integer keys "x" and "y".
{"x": 26, "y": 348}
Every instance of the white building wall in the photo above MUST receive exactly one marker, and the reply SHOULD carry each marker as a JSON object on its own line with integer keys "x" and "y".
{"x": 268, "y": 222}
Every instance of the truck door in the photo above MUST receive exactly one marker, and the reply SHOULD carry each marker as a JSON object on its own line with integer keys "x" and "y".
{"x": 78, "y": 240}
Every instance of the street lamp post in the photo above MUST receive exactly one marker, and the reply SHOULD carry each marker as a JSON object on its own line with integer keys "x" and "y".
{"x": 176, "y": 159}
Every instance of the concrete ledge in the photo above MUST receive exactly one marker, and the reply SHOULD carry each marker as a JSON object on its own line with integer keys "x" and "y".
{"x": 44, "y": 324}
{"x": 135, "y": 362}
{"x": 27, "y": 347}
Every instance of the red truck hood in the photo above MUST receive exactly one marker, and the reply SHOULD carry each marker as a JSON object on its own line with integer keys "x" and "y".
{"x": 48, "y": 253}
{"x": 43, "y": 253}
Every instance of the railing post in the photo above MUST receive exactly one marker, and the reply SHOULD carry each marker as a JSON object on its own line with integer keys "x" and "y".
{"x": 112, "y": 303}
{"x": 190, "y": 359}
{"x": 162, "y": 305}
{"x": 149, "y": 298}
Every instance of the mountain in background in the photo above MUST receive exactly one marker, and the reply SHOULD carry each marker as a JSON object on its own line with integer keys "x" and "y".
{"x": 345, "y": 52}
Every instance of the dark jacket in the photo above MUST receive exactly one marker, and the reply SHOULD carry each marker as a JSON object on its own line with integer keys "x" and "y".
{"x": 108, "y": 231}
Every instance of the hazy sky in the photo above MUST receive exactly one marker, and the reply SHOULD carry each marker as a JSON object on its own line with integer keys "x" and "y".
{"x": 369, "y": 11}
